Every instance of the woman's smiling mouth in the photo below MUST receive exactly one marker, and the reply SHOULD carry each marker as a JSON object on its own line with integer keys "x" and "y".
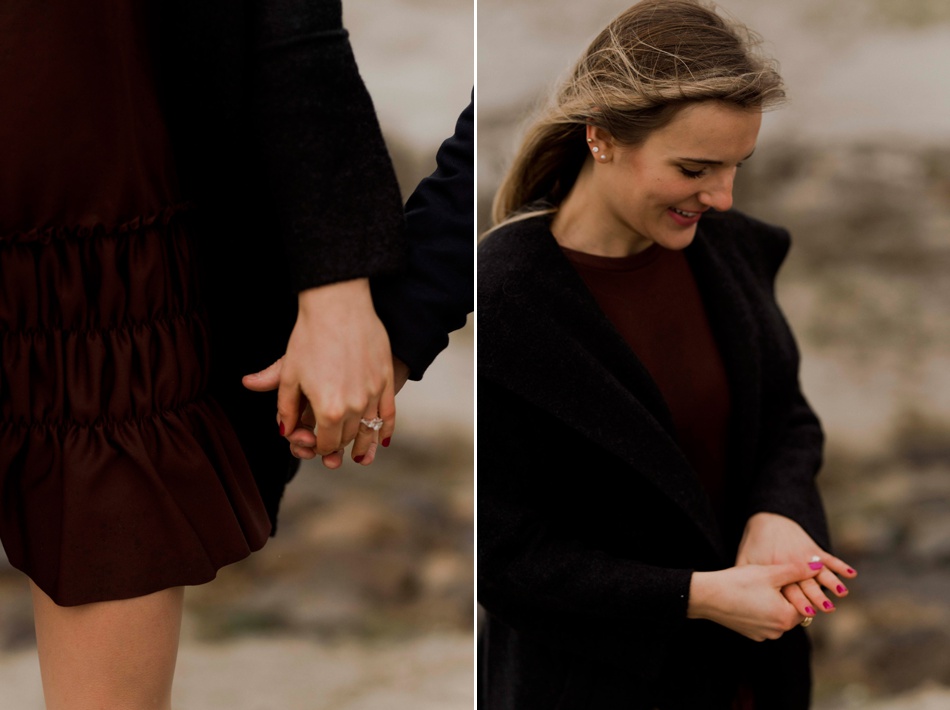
{"x": 684, "y": 218}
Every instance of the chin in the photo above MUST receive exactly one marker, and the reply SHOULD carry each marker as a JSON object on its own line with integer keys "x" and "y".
{"x": 679, "y": 240}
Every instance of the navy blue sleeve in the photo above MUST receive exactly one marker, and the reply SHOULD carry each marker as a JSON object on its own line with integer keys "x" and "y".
{"x": 431, "y": 298}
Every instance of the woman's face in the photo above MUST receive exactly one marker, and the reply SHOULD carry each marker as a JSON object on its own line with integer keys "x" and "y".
{"x": 657, "y": 191}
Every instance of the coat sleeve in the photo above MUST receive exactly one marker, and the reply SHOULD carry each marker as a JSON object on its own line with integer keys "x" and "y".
{"x": 790, "y": 454}
{"x": 420, "y": 306}
{"x": 536, "y": 574}
{"x": 325, "y": 164}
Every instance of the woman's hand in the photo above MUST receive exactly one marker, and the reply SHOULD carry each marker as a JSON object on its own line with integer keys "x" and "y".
{"x": 771, "y": 539}
{"x": 366, "y": 442}
{"x": 336, "y": 371}
{"x": 748, "y": 599}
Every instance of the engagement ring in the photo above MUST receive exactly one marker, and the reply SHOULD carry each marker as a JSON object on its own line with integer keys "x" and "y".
{"x": 375, "y": 423}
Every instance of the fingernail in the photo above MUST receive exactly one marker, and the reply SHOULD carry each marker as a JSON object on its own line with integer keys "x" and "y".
{"x": 841, "y": 589}
{"x": 359, "y": 459}
{"x": 281, "y": 428}
{"x": 387, "y": 440}
{"x": 809, "y": 611}
{"x": 828, "y": 605}
{"x": 851, "y": 571}
{"x": 815, "y": 565}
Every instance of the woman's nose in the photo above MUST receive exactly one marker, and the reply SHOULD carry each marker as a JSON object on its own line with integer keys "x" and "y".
{"x": 718, "y": 194}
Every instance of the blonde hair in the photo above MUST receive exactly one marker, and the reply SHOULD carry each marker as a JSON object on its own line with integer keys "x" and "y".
{"x": 641, "y": 69}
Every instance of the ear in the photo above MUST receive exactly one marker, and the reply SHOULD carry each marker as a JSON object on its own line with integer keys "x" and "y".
{"x": 600, "y": 143}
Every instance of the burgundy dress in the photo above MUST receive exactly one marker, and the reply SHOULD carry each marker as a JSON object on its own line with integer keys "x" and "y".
{"x": 119, "y": 476}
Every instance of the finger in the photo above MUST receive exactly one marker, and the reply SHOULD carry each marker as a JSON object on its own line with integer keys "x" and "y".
{"x": 330, "y": 431}
{"x": 333, "y": 460}
{"x": 791, "y": 572}
{"x": 290, "y": 404}
{"x": 817, "y": 597}
{"x": 307, "y": 417}
{"x": 838, "y": 566}
{"x": 352, "y": 426}
{"x": 827, "y": 579}
{"x": 302, "y": 437}
{"x": 365, "y": 439}
{"x": 302, "y": 452}
{"x": 796, "y": 597}
{"x": 370, "y": 455}
{"x": 387, "y": 412}
{"x": 264, "y": 381}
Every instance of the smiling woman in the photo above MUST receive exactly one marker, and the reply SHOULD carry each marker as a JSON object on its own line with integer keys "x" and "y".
{"x": 631, "y": 196}
{"x": 627, "y": 318}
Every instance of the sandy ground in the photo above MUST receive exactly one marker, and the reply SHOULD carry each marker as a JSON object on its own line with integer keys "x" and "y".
{"x": 434, "y": 673}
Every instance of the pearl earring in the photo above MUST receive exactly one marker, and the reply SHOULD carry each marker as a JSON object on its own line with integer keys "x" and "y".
{"x": 595, "y": 149}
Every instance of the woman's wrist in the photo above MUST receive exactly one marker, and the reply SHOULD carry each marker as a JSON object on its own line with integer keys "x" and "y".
{"x": 700, "y": 595}
{"x": 346, "y": 296}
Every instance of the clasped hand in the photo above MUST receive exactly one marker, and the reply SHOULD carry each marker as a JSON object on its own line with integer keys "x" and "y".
{"x": 337, "y": 371}
{"x": 774, "y": 584}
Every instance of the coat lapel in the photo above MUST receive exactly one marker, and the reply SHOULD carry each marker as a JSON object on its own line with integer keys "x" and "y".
{"x": 600, "y": 388}
{"x": 726, "y": 298}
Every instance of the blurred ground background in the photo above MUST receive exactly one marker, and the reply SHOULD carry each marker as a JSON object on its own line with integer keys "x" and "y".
{"x": 857, "y": 166}
{"x": 364, "y": 601}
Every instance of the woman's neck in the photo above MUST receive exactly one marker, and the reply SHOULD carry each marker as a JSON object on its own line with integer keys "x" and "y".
{"x": 584, "y": 223}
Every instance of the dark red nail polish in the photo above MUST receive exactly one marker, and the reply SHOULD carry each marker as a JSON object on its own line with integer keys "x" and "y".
{"x": 281, "y": 428}
{"x": 815, "y": 565}
{"x": 387, "y": 440}
{"x": 828, "y": 605}
{"x": 809, "y": 611}
{"x": 841, "y": 589}
{"x": 851, "y": 571}
{"x": 359, "y": 458}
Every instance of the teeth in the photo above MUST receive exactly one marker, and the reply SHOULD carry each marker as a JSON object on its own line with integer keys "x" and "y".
{"x": 684, "y": 212}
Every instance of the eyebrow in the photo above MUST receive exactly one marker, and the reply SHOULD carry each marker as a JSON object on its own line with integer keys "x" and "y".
{"x": 707, "y": 161}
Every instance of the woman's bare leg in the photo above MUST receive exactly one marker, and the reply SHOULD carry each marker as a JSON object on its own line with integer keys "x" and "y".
{"x": 117, "y": 655}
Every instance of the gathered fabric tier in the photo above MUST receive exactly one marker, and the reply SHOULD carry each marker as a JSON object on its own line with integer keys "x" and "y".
{"x": 118, "y": 475}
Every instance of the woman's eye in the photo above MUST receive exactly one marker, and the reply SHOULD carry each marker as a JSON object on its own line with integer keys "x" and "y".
{"x": 691, "y": 173}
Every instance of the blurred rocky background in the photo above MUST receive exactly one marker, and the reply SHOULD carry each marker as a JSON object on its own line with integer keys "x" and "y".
{"x": 857, "y": 166}
{"x": 364, "y": 600}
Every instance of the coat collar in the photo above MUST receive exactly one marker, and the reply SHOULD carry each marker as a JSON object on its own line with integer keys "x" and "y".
{"x": 536, "y": 304}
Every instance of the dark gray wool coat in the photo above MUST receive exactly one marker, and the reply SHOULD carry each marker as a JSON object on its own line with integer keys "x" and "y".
{"x": 590, "y": 519}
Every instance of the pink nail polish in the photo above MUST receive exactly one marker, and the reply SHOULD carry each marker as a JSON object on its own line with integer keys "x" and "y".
{"x": 815, "y": 565}
{"x": 359, "y": 459}
{"x": 809, "y": 611}
{"x": 387, "y": 440}
{"x": 828, "y": 605}
{"x": 281, "y": 428}
{"x": 841, "y": 589}
{"x": 851, "y": 571}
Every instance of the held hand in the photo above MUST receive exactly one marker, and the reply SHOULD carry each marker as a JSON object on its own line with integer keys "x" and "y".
{"x": 366, "y": 442}
{"x": 774, "y": 539}
{"x": 748, "y": 599}
{"x": 336, "y": 371}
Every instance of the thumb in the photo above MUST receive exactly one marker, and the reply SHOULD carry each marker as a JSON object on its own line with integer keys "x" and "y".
{"x": 265, "y": 380}
{"x": 793, "y": 572}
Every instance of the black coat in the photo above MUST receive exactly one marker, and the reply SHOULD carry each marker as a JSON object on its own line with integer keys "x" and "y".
{"x": 590, "y": 519}
{"x": 278, "y": 147}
